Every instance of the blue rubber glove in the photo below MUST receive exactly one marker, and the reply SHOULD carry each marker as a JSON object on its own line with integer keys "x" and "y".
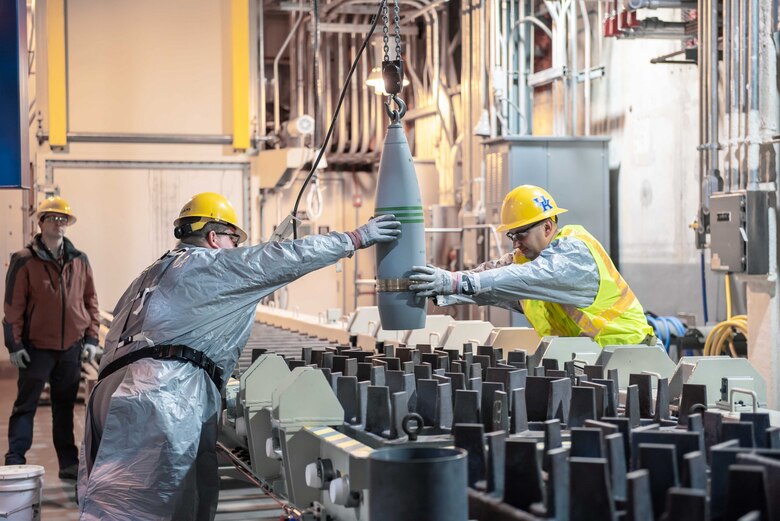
{"x": 384, "y": 228}
{"x": 20, "y": 359}
{"x": 430, "y": 281}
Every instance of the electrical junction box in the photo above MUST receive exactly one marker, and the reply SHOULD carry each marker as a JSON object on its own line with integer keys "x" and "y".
{"x": 739, "y": 235}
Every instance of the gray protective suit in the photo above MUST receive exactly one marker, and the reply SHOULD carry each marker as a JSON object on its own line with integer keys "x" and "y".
{"x": 564, "y": 272}
{"x": 149, "y": 450}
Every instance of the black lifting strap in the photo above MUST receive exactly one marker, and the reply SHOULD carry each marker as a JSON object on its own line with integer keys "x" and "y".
{"x": 166, "y": 352}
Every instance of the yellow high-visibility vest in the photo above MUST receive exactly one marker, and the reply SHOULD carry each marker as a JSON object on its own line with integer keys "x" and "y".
{"x": 614, "y": 318}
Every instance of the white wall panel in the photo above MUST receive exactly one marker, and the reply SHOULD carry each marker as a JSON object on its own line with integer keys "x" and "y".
{"x": 146, "y": 66}
{"x": 126, "y": 216}
{"x": 651, "y": 114}
{"x": 11, "y": 237}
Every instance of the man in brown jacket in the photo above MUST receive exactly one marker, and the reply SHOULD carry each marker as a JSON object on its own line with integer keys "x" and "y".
{"x": 50, "y": 325}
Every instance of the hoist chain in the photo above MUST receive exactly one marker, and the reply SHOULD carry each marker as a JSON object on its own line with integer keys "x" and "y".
{"x": 385, "y": 30}
{"x": 392, "y": 71}
{"x": 397, "y": 31}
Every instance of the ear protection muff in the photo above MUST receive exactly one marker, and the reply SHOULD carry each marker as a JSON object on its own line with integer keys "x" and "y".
{"x": 182, "y": 231}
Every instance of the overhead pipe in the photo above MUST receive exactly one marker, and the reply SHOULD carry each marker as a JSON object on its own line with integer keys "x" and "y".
{"x": 532, "y": 20}
{"x": 726, "y": 37}
{"x": 558, "y": 13}
{"x": 327, "y": 96}
{"x": 342, "y": 128}
{"x": 154, "y": 139}
{"x": 743, "y": 86}
{"x": 510, "y": 60}
{"x": 708, "y": 108}
{"x": 316, "y": 75}
{"x": 483, "y": 68}
{"x": 277, "y": 58}
{"x": 430, "y": 8}
{"x": 261, "y": 71}
{"x": 659, "y": 4}
{"x": 359, "y": 100}
{"x": 564, "y": 60}
{"x": 753, "y": 118}
{"x": 703, "y": 157}
{"x": 714, "y": 111}
{"x": 586, "y": 79}
{"x": 354, "y": 98}
{"x": 494, "y": 63}
{"x": 600, "y": 31}
{"x": 654, "y": 28}
{"x": 522, "y": 72}
{"x": 365, "y": 120}
{"x": 733, "y": 90}
{"x": 573, "y": 68}
{"x": 556, "y": 62}
{"x": 500, "y": 70}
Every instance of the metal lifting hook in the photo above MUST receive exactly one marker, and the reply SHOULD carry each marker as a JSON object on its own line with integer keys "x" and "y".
{"x": 395, "y": 115}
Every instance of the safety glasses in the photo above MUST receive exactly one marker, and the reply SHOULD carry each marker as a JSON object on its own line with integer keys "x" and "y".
{"x": 519, "y": 235}
{"x": 59, "y": 219}
{"x": 236, "y": 238}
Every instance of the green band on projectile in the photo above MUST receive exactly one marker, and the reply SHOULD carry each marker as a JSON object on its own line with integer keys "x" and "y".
{"x": 404, "y": 214}
{"x": 400, "y": 208}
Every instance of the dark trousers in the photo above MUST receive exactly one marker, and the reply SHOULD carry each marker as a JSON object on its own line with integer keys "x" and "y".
{"x": 62, "y": 369}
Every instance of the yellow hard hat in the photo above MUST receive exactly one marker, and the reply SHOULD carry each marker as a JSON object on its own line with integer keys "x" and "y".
{"x": 209, "y": 207}
{"x": 55, "y": 204}
{"x": 527, "y": 204}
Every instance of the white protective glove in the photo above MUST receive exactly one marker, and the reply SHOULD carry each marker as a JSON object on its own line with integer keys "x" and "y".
{"x": 89, "y": 351}
{"x": 429, "y": 281}
{"x": 384, "y": 228}
{"x": 20, "y": 359}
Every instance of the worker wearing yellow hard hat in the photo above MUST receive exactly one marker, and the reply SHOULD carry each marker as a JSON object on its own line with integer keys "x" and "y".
{"x": 561, "y": 277}
{"x": 51, "y": 321}
{"x": 58, "y": 206}
{"x": 152, "y": 420}
{"x": 204, "y": 208}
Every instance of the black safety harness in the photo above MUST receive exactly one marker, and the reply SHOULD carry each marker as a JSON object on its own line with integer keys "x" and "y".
{"x": 163, "y": 351}
{"x": 167, "y": 352}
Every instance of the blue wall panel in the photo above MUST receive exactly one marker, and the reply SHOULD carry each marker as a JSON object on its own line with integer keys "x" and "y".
{"x": 14, "y": 127}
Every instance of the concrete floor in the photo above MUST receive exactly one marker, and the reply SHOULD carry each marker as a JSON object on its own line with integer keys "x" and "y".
{"x": 238, "y": 500}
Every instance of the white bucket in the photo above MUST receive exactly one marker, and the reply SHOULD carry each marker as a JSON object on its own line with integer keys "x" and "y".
{"x": 20, "y": 492}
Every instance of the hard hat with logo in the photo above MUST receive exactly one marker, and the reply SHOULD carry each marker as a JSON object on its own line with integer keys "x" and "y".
{"x": 207, "y": 207}
{"x": 527, "y": 204}
{"x": 55, "y": 204}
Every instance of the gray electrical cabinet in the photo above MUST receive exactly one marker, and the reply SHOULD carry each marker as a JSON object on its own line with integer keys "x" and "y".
{"x": 739, "y": 236}
{"x": 575, "y": 170}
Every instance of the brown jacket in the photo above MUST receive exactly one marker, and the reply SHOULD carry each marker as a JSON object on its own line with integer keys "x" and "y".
{"x": 48, "y": 305}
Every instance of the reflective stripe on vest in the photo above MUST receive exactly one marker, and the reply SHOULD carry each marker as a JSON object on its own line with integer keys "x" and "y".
{"x": 592, "y": 327}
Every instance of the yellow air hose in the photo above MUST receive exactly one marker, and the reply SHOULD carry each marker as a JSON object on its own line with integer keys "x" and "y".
{"x": 723, "y": 333}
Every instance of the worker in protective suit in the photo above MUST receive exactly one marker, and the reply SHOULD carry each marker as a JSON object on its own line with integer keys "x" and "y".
{"x": 561, "y": 278}
{"x": 149, "y": 450}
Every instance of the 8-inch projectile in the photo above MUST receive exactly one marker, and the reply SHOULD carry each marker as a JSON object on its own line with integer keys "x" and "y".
{"x": 398, "y": 193}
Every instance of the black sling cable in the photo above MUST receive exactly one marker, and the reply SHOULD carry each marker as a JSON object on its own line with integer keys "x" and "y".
{"x": 333, "y": 120}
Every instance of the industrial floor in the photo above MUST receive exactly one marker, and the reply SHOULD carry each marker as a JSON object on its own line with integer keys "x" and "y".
{"x": 238, "y": 500}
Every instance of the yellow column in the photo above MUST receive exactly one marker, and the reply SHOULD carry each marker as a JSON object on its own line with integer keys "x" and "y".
{"x": 58, "y": 103}
{"x": 240, "y": 52}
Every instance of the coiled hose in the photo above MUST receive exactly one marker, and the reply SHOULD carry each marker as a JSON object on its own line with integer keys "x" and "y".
{"x": 722, "y": 334}
{"x": 665, "y": 327}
